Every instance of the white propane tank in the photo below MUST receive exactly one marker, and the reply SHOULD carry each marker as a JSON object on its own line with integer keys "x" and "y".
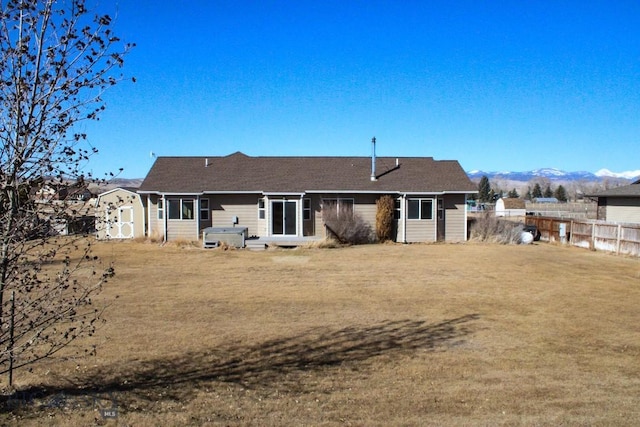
{"x": 526, "y": 238}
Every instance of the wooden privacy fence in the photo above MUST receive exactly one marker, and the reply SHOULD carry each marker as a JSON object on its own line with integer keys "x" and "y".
{"x": 590, "y": 234}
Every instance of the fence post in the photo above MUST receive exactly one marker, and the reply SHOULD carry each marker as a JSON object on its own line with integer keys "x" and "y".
{"x": 571, "y": 233}
{"x": 618, "y": 239}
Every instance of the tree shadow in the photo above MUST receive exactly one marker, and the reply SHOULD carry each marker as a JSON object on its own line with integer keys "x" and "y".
{"x": 274, "y": 362}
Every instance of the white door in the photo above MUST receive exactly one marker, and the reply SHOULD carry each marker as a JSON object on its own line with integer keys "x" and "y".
{"x": 120, "y": 223}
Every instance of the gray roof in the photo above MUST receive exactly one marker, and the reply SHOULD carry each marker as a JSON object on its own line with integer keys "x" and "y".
{"x": 631, "y": 190}
{"x": 241, "y": 173}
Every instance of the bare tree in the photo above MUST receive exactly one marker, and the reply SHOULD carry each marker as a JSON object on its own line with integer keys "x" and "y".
{"x": 56, "y": 60}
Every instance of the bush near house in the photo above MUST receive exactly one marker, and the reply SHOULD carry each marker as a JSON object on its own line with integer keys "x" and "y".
{"x": 346, "y": 226}
{"x": 384, "y": 218}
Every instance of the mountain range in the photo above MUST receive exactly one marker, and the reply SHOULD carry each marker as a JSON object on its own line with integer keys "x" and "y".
{"x": 553, "y": 174}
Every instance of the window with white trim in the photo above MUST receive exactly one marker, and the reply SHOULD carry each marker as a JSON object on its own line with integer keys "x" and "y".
{"x": 343, "y": 207}
{"x": 204, "y": 209}
{"x": 396, "y": 208}
{"x": 180, "y": 209}
{"x": 261, "y": 209}
{"x": 160, "y": 208}
{"x": 306, "y": 209}
{"x": 420, "y": 209}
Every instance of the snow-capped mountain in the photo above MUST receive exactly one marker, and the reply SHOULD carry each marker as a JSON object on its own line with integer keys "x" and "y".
{"x": 626, "y": 175}
{"x": 553, "y": 174}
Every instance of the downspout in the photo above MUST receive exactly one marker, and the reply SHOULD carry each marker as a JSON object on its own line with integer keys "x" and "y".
{"x": 300, "y": 230}
{"x": 466, "y": 224}
{"x": 164, "y": 218}
{"x": 197, "y": 213}
{"x": 403, "y": 208}
{"x": 148, "y": 215}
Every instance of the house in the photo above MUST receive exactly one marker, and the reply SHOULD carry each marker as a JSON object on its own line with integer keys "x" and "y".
{"x": 119, "y": 214}
{"x": 278, "y": 197}
{"x": 620, "y": 204}
{"x": 546, "y": 200}
{"x": 510, "y": 207}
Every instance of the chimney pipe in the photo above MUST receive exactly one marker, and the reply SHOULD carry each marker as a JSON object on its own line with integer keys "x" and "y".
{"x": 373, "y": 159}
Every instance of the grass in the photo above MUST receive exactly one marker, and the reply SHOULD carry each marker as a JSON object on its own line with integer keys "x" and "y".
{"x": 376, "y": 335}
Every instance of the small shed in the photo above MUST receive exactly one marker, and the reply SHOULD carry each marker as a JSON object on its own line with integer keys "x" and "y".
{"x": 510, "y": 207}
{"x": 119, "y": 214}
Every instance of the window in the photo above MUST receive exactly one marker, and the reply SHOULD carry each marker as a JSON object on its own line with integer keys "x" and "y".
{"x": 180, "y": 209}
{"x": 396, "y": 209}
{"x": 306, "y": 210}
{"x": 261, "y": 212}
{"x": 420, "y": 209}
{"x": 204, "y": 209}
{"x": 343, "y": 208}
{"x": 160, "y": 208}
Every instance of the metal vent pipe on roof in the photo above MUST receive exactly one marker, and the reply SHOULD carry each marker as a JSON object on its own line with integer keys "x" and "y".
{"x": 373, "y": 159}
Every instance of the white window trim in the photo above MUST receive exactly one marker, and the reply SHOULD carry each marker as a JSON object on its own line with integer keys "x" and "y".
{"x": 180, "y": 200}
{"x": 161, "y": 208}
{"x": 305, "y": 209}
{"x": 338, "y": 201}
{"x": 204, "y": 209}
{"x": 420, "y": 200}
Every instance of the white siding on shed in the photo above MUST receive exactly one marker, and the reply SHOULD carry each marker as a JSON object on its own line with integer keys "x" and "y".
{"x": 119, "y": 214}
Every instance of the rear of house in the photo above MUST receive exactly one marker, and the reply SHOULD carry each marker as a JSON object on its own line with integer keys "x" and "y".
{"x": 285, "y": 197}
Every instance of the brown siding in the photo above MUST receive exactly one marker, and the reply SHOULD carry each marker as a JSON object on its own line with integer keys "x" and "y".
{"x": 182, "y": 229}
{"x": 316, "y": 213}
{"x": 155, "y": 226}
{"x": 365, "y": 206}
{"x": 455, "y": 216}
{"x": 419, "y": 230}
{"x": 245, "y": 206}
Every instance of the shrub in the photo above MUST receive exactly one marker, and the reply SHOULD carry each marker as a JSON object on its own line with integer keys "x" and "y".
{"x": 488, "y": 228}
{"x": 346, "y": 226}
{"x": 384, "y": 218}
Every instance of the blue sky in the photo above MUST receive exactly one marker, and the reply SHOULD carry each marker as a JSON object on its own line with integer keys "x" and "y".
{"x": 496, "y": 85}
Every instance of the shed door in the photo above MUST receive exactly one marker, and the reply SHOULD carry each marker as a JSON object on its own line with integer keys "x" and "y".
{"x": 120, "y": 223}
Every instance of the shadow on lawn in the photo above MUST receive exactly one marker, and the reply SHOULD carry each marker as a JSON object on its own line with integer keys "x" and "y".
{"x": 275, "y": 362}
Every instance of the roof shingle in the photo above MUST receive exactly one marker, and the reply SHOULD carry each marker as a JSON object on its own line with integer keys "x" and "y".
{"x": 242, "y": 173}
{"x": 631, "y": 190}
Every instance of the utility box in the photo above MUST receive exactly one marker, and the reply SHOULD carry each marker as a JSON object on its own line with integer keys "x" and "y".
{"x": 212, "y": 237}
{"x": 562, "y": 232}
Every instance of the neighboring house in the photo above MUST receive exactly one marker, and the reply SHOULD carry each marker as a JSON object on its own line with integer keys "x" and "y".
{"x": 278, "y": 197}
{"x": 546, "y": 200}
{"x": 620, "y": 204}
{"x": 119, "y": 214}
{"x": 510, "y": 207}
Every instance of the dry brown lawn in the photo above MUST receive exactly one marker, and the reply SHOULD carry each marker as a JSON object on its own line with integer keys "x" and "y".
{"x": 374, "y": 335}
